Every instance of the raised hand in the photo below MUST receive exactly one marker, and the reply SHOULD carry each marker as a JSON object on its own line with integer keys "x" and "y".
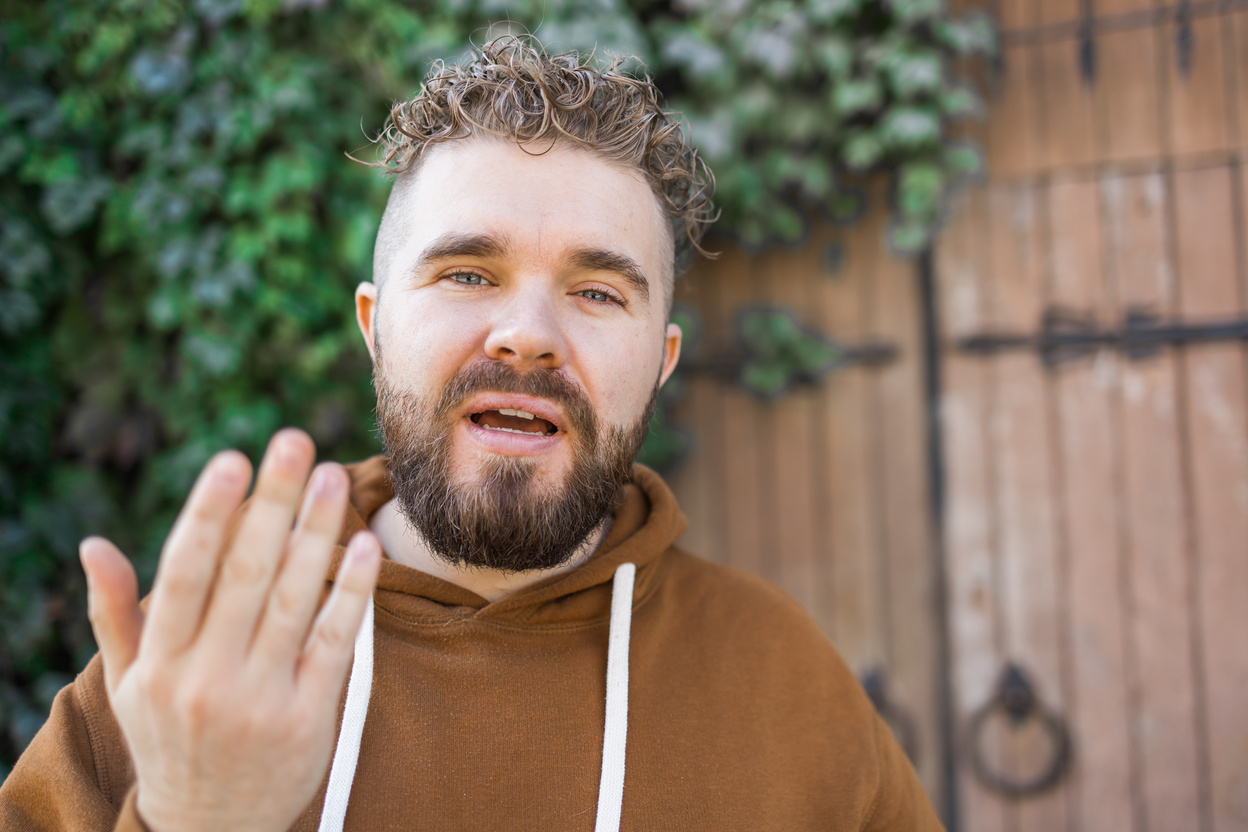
{"x": 227, "y": 689}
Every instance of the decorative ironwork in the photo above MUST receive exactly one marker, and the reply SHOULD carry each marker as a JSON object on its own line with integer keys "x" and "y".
{"x": 1017, "y": 703}
{"x": 1066, "y": 335}
{"x": 898, "y": 720}
{"x": 1184, "y": 39}
{"x": 1087, "y": 42}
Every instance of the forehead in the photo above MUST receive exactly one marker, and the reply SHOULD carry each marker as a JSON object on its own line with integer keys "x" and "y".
{"x": 544, "y": 203}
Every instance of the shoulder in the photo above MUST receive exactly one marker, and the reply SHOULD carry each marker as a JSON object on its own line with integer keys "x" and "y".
{"x": 760, "y": 628}
{"x": 736, "y": 599}
{"x": 77, "y": 771}
{"x": 779, "y": 689}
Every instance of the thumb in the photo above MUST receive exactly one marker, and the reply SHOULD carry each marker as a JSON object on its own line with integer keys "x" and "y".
{"x": 112, "y": 605}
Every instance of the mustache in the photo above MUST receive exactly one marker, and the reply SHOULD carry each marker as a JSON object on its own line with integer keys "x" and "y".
{"x": 488, "y": 376}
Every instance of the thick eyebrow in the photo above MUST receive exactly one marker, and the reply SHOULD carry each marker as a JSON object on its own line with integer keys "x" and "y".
{"x": 461, "y": 245}
{"x": 601, "y": 260}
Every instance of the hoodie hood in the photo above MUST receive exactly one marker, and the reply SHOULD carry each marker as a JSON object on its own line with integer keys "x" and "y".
{"x": 647, "y": 521}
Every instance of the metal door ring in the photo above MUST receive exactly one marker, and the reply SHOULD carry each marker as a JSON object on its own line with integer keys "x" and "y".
{"x": 1016, "y": 701}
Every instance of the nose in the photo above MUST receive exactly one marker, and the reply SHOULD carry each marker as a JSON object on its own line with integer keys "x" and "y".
{"x": 526, "y": 331}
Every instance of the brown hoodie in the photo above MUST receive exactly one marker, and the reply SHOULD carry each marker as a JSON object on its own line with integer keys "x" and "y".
{"x": 489, "y": 716}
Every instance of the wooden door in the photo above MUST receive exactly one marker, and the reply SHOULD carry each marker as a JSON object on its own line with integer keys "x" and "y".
{"x": 825, "y": 491}
{"x": 1096, "y": 531}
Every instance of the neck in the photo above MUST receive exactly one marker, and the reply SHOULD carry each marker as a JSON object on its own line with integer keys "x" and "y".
{"x": 404, "y": 545}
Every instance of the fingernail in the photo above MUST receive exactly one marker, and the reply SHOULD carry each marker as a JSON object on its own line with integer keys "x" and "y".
{"x": 324, "y": 484}
{"x": 85, "y": 560}
{"x": 360, "y": 548}
{"x": 228, "y": 470}
{"x": 285, "y": 446}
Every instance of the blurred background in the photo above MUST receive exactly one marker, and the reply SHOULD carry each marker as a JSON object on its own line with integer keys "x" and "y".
{"x": 968, "y": 380}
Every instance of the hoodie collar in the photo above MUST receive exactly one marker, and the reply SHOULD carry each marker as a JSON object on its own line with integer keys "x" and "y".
{"x": 647, "y": 522}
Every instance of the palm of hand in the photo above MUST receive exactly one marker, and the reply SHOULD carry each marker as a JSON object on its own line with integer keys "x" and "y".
{"x": 227, "y": 688}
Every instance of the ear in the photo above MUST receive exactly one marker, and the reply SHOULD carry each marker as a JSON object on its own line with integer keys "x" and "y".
{"x": 671, "y": 351}
{"x": 365, "y": 315}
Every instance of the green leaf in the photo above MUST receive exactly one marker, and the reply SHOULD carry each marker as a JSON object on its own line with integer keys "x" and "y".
{"x": 913, "y": 11}
{"x": 960, "y": 102}
{"x": 914, "y": 74}
{"x": 908, "y": 237}
{"x": 832, "y": 11}
{"x": 850, "y": 97}
{"x": 919, "y": 188}
{"x": 910, "y": 127}
{"x": 863, "y": 149}
{"x": 963, "y": 160}
{"x": 834, "y": 55}
{"x": 975, "y": 33}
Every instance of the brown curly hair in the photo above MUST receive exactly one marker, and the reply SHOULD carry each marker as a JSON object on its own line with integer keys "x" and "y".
{"x": 513, "y": 89}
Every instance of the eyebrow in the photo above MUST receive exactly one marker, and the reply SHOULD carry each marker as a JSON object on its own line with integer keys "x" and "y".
{"x": 461, "y": 245}
{"x": 601, "y": 260}
{"x": 493, "y": 246}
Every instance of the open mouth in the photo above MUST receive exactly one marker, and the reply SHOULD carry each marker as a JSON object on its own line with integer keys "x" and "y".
{"x": 511, "y": 420}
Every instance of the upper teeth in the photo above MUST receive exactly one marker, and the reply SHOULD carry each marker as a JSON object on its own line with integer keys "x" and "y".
{"x": 523, "y": 414}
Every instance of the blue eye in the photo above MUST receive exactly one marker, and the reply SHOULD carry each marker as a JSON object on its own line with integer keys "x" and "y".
{"x": 468, "y": 279}
{"x": 595, "y": 295}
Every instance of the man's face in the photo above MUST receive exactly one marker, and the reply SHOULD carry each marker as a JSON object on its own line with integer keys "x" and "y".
{"x": 516, "y": 285}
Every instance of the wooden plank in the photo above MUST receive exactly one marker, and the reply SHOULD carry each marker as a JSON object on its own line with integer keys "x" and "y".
{"x": 1160, "y": 663}
{"x": 790, "y": 430}
{"x": 850, "y": 508}
{"x": 1016, "y": 14}
{"x": 1013, "y": 141}
{"x": 1069, "y": 102}
{"x": 906, "y": 508}
{"x": 741, "y": 452}
{"x": 698, "y": 481}
{"x": 1055, "y": 12}
{"x": 1217, "y": 440}
{"x": 1106, "y": 8}
{"x": 1238, "y": 25}
{"x": 962, "y": 273}
{"x": 1198, "y": 117}
{"x": 1126, "y": 90}
{"x": 1098, "y": 706}
{"x": 1021, "y": 450}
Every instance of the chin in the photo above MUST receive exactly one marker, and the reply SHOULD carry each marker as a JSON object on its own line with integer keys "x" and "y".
{"x": 473, "y": 468}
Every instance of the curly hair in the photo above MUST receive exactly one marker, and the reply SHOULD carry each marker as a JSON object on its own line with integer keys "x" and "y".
{"x": 511, "y": 88}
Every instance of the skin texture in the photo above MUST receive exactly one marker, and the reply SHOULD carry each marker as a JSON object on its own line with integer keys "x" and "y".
{"x": 532, "y": 303}
{"x": 227, "y": 686}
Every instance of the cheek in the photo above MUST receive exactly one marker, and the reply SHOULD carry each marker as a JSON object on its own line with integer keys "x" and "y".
{"x": 623, "y": 369}
{"x": 425, "y": 345}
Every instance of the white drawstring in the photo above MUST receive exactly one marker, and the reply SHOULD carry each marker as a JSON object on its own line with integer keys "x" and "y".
{"x": 614, "y": 734}
{"x": 347, "y": 752}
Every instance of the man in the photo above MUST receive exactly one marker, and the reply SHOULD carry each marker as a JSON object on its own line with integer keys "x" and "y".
{"x": 535, "y": 654}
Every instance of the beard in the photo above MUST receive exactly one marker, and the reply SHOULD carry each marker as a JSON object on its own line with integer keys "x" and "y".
{"x": 506, "y": 519}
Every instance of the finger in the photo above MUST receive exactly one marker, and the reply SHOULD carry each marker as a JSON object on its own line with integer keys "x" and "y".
{"x": 297, "y": 590}
{"x": 112, "y": 606}
{"x": 249, "y": 566}
{"x": 327, "y": 654}
{"x": 192, "y": 552}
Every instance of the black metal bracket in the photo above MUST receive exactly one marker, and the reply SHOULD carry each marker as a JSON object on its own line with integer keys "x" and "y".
{"x": 1017, "y": 702}
{"x": 1087, "y": 42}
{"x": 1066, "y": 335}
{"x": 1184, "y": 39}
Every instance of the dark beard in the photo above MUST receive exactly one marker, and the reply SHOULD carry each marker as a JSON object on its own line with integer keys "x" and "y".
{"x": 504, "y": 521}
